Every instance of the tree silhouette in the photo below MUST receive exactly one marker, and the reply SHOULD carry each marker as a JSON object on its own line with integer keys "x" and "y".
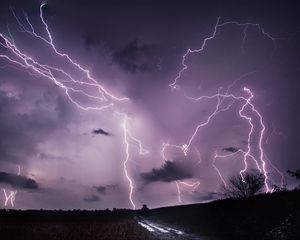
{"x": 238, "y": 187}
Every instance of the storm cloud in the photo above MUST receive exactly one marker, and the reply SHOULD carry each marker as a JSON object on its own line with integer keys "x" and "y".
{"x": 104, "y": 189}
{"x": 170, "y": 171}
{"x": 18, "y": 181}
{"x": 230, "y": 149}
{"x": 101, "y": 132}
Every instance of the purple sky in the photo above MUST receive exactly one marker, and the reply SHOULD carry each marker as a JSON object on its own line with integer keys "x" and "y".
{"x": 71, "y": 158}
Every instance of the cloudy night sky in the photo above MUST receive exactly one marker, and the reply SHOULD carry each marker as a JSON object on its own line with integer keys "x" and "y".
{"x": 58, "y": 150}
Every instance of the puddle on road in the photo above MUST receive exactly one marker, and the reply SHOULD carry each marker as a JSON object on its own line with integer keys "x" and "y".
{"x": 166, "y": 233}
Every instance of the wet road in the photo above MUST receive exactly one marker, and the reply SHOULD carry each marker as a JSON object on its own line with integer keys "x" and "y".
{"x": 161, "y": 232}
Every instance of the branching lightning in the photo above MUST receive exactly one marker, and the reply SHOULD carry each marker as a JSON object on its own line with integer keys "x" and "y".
{"x": 174, "y": 84}
{"x": 247, "y": 104}
{"x": 20, "y": 60}
{"x": 71, "y": 85}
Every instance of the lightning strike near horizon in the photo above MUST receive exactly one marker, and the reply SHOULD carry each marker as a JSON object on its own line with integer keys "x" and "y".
{"x": 127, "y": 136}
{"x": 9, "y": 197}
{"x": 12, "y": 194}
{"x": 178, "y": 192}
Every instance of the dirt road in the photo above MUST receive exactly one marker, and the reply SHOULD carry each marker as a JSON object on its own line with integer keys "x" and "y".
{"x": 162, "y": 232}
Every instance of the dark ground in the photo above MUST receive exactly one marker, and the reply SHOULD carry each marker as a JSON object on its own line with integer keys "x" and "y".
{"x": 264, "y": 217}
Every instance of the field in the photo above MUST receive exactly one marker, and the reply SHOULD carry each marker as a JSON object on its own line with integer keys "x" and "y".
{"x": 122, "y": 229}
{"x": 118, "y": 227}
{"x": 264, "y": 217}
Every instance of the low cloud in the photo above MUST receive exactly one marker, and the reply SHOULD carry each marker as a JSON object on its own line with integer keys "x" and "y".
{"x": 230, "y": 149}
{"x": 170, "y": 171}
{"x": 92, "y": 198}
{"x": 18, "y": 181}
{"x": 101, "y": 132}
{"x": 104, "y": 189}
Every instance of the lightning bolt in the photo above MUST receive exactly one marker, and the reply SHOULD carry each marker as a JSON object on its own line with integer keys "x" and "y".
{"x": 11, "y": 197}
{"x": 218, "y": 171}
{"x": 260, "y": 162}
{"x": 18, "y": 59}
{"x": 193, "y": 185}
{"x": 178, "y": 192}
{"x": 71, "y": 85}
{"x": 280, "y": 173}
{"x": 246, "y": 154}
{"x": 174, "y": 84}
{"x": 127, "y": 136}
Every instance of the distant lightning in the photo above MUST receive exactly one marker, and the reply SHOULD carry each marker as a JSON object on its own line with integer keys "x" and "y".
{"x": 198, "y": 155}
{"x": 193, "y": 185}
{"x": 11, "y": 197}
{"x": 178, "y": 192}
{"x": 218, "y": 171}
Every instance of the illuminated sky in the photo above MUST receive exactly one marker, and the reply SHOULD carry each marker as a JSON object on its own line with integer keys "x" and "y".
{"x": 71, "y": 158}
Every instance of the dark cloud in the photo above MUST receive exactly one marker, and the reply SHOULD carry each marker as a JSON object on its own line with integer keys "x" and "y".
{"x": 135, "y": 56}
{"x": 104, "y": 189}
{"x": 170, "y": 171}
{"x": 92, "y": 198}
{"x": 18, "y": 181}
{"x": 101, "y": 131}
{"x": 230, "y": 149}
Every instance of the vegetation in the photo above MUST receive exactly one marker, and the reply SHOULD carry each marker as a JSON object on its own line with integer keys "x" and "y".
{"x": 250, "y": 184}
